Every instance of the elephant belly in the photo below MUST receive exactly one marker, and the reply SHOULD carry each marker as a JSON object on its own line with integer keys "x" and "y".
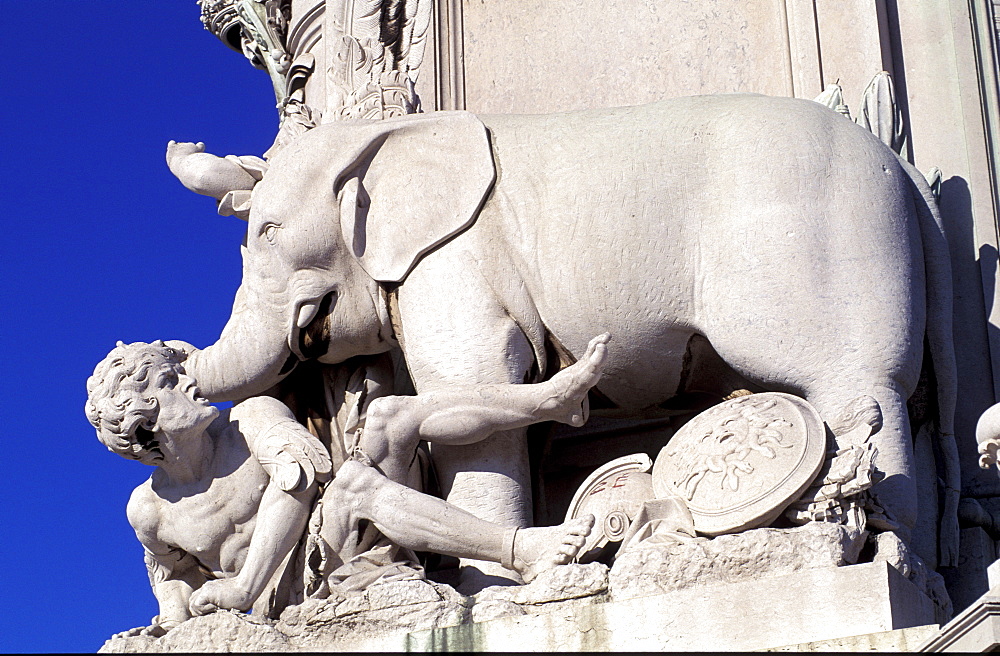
{"x": 645, "y": 366}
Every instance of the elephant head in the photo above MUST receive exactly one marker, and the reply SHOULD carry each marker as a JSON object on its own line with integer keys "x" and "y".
{"x": 346, "y": 207}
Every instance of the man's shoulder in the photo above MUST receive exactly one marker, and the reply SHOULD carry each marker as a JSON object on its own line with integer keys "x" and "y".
{"x": 292, "y": 456}
{"x": 143, "y": 510}
{"x": 260, "y": 407}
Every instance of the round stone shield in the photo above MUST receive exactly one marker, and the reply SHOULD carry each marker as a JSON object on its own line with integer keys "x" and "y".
{"x": 741, "y": 462}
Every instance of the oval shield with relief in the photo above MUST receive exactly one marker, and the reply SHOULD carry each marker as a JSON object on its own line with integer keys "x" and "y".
{"x": 741, "y": 462}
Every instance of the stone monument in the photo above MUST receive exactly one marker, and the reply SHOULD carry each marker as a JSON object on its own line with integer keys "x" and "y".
{"x": 766, "y": 444}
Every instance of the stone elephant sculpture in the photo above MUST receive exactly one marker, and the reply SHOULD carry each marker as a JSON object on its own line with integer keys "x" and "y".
{"x": 723, "y": 241}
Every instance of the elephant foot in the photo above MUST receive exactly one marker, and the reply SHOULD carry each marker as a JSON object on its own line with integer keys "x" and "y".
{"x": 540, "y": 549}
{"x": 568, "y": 400}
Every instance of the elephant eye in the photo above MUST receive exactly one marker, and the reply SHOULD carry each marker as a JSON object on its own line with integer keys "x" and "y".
{"x": 269, "y": 230}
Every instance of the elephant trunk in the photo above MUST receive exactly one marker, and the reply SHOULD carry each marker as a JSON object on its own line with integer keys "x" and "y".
{"x": 988, "y": 426}
{"x": 251, "y": 356}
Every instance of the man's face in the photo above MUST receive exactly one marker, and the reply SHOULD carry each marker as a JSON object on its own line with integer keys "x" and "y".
{"x": 183, "y": 410}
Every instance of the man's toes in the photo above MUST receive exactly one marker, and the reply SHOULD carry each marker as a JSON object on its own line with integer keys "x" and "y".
{"x": 603, "y": 338}
{"x": 598, "y": 346}
{"x": 563, "y": 554}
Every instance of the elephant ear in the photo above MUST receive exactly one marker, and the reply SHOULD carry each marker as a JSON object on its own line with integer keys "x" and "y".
{"x": 412, "y": 184}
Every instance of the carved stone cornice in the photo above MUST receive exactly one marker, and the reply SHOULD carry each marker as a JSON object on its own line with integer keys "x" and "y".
{"x": 976, "y": 629}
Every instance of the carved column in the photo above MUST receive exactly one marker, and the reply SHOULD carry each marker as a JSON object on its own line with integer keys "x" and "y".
{"x": 308, "y": 49}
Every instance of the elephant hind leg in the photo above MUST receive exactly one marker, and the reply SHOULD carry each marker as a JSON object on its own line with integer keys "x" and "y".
{"x": 897, "y": 492}
{"x": 830, "y": 371}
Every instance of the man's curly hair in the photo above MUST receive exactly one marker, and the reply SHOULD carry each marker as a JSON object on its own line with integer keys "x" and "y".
{"x": 118, "y": 405}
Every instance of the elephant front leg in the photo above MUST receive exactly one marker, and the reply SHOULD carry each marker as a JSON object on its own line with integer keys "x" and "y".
{"x": 454, "y": 333}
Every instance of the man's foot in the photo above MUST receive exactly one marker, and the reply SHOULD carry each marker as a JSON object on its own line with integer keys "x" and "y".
{"x": 568, "y": 403}
{"x": 539, "y": 549}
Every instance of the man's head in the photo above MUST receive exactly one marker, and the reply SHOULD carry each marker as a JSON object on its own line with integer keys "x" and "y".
{"x": 123, "y": 401}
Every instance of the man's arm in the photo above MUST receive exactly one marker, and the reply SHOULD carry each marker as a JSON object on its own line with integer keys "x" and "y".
{"x": 281, "y": 521}
{"x": 294, "y": 461}
{"x": 174, "y": 576}
{"x": 173, "y": 573}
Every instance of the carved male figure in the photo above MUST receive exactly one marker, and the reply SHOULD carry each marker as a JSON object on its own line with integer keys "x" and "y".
{"x": 232, "y": 491}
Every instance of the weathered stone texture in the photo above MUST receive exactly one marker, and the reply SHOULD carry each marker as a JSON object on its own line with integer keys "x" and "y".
{"x": 756, "y": 554}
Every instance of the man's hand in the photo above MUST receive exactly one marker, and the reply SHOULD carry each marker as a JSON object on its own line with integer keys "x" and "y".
{"x": 218, "y": 595}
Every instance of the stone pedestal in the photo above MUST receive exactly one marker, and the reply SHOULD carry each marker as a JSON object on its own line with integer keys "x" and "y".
{"x": 900, "y": 640}
{"x": 977, "y": 628}
{"x": 806, "y": 606}
{"x": 834, "y": 609}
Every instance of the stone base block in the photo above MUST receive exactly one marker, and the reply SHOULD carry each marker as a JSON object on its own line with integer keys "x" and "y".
{"x": 807, "y": 606}
{"x": 569, "y": 609}
{"x": 975, "y": 629}
{"x": 900, "y": 640}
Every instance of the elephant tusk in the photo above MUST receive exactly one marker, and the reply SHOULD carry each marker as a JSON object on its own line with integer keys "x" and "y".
{"x": 306, "y": 314}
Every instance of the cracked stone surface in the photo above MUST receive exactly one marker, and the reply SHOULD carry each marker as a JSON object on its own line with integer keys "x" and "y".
{"x": 316, "y": 624}
{"x": 221, "y": 631}
{"x": 760, "y": 553}
{"x": 387, "y": 609}
{"x": 558, "y": 584}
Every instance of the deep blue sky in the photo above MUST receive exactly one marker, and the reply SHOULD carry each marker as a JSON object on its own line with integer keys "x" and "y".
{"x": 101, "y": 243}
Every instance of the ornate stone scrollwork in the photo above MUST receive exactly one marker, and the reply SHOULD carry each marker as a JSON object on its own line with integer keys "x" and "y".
{"x": 221, "y": 18}
{"x": 378, "y": 57}
{"x": 257, "y": 28}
